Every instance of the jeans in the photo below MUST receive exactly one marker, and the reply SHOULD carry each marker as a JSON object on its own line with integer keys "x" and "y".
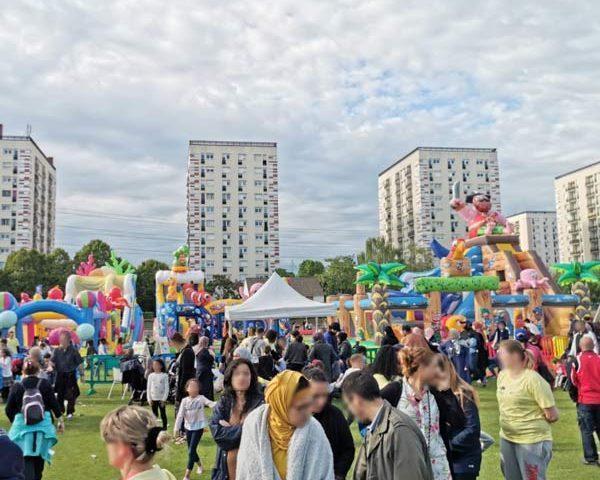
{"x": 160, "y": 406}
{"x": 34, "y": 468}
{"x": 193, "y": 439}
{"x": 525, "y": 461}
{"x": 588, "y": 417}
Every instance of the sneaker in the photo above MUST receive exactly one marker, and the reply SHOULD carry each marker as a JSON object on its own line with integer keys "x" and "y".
{"x": 590, "y": 462}
{"x": 200, "y": 469}
{"x": 70, "y": 416}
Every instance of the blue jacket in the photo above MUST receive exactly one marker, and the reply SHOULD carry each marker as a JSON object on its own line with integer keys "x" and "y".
{"x": 34, "y": 440}
{"x": 465, "y": 446}
{"x": 227, "y": 438}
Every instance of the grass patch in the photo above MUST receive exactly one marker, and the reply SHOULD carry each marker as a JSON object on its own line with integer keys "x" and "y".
{"x": 80, "y": 453}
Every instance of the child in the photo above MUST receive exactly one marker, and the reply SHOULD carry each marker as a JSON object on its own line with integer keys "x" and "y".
{"x": 157, "y": 390}
{"x": 355, "y": 363}
{"x": 102, "y": 347}
{"x": 119, "y": 347}
{"x": 191, "y": 415}
{"x": 560, "y": 371}
{"x": 7, "y": 375}
{"x": 47, "y": 371}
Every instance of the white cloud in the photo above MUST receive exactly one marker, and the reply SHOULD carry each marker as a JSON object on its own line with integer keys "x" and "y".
{"x": 115, "y": 90}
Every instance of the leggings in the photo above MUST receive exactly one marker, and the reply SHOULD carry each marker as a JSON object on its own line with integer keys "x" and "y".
{"x": 160, "y": 406}
{"x": 34, "y": 468}
{"x": 193, "y": 439}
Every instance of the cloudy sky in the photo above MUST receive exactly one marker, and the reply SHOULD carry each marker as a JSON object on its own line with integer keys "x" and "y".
{"x": 114, "y": 91}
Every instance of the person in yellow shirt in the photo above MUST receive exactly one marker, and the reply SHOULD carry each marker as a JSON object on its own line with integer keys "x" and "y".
{"x": 12, "y": 342}
{"x": 527, "y": 408}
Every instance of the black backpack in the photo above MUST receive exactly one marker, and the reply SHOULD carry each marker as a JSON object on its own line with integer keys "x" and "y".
{"x": 33, "y": 405}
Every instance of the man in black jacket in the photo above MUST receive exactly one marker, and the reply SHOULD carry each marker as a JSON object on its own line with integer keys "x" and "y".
{"x": 333, "y": 422}
{"x": 296, "y": 353}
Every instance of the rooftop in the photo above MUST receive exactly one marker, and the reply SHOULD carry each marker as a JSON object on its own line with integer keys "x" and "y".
{"x": 577, "y": 170}
{"x": 438, "y": 149}
{"x": 26, "y": 138}
{"x": 532, "y": 212}
{"x": 221, "y": 143}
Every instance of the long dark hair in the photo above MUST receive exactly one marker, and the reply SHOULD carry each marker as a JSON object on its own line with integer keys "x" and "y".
{"x": 386, "y": 362}
{"x": 252, "y": 391}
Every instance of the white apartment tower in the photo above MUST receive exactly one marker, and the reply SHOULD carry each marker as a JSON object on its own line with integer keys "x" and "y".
{"x": 415, "y": 192}
{"x": 537, "y": 232}
{"x": 233, "y": 211}
{"x": 28, "y": 200}
{"x": 578, "y": 214}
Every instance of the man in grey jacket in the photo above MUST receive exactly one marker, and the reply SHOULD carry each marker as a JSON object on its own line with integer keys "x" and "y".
{"x": 394, "y": 447}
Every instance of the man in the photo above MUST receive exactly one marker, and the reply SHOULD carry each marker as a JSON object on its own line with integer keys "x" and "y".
{"x": 333, "y": 422}
{"x": 12, "y": 343}
{"x": 500, "y": 334}
{"x": 248, "y": 342}
{"x": 66, "y": 361}
{"x": 394, "y": 447}
{"x": 325, "y": 353}
{"x": 296, "y": 353}
{"x": 586, "y": 377}
{"x": 581, "y": 331}
{"x": 258, "y": 345}
{"x": 330, "y": 335}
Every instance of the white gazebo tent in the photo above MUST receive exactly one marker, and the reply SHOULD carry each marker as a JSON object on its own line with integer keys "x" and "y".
{"x": 276, "y": 299}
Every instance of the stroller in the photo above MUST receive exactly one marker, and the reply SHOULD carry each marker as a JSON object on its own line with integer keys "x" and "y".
{"x": 133, "y": 377}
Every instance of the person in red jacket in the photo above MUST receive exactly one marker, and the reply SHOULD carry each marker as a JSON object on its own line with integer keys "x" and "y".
{"x": 586, "y": 377}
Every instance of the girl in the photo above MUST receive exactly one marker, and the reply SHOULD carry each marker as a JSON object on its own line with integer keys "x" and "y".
{"x": 157, "y": 390}
{"x": 132, "y": 437}
{"x": 7, "y": 376}
{"x": 119, "y": 347}
{"x": 191, "y": 416}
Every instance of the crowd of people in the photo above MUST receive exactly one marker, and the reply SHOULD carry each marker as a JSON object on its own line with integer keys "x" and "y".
{"x": 276, "y": 413}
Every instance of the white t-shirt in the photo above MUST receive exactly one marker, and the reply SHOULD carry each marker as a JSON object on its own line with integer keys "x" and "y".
{"x": 6, "y": 363}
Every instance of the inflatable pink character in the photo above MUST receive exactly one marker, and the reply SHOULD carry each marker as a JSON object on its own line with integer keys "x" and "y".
{"x": 477, "y": 212}
{"x": 531, "y": 278}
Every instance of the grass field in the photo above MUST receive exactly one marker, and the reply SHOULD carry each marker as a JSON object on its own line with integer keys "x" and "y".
{"x": 80, "y": 452}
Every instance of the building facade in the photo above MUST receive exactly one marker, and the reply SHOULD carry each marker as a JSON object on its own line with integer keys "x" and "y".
{"x": 578, "y": 213}
{"x": 415, "y": 192}
{"x": 232, "y": 208}
{"x": 537, "y": 231}
{"x": 28, "y": 200}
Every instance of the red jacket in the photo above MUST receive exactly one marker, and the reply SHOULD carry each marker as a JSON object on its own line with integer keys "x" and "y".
{"x": 587, "y": 378}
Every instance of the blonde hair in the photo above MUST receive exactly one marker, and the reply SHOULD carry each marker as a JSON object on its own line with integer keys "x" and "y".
{"x": 411, "y": 358}
{"x": 458, "y": 386}
{"x": 136, "y": 427}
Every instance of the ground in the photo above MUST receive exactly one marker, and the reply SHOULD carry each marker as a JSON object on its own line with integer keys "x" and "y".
{"x": 80, "y": 453}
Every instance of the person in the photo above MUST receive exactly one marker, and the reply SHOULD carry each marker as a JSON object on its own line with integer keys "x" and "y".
{"x": 325, "y": 353}
{"x": 389, "y": 337}
{"x": 464, "y": 442}
{"x": 581, "y": 330}
{"x": 12, "y": 342}
{"x": 527, "y": 408}
{"x": 66, "y": 361}
{"x": 281, "y": 439}
{"x": 241, "y": 352}
{"x": 157, "y": 390}
{"x": 330, "y": 335}
{"x": 35, "y": 440}
{"x": 296, "y": 354}
{"x": 11, "y": 459}
{"x": 418, "y": 401}
{"x": 191, "y": 417}
{"x": 356, "y": 363}
{"x": 228, "y": 346}
{"x": 204, "y": 365}
{"x": 119, "y": 347}
{"x": 500, "y": 334}
{"x": 45, "y": 349}
{"x": 394, "y": 443}
{"x": 258, "y": 345}
{"x": 6, "y": 371}
{"x": 333, "y": 422}
{"x": 248, "y": 342}
{"x": 385, "y": 366}
{"x": 477, "y": 357}
{"x": 266, "y": 365}
{"x": 102, "y": 347}
{"x": 89, "y": 348}
{"x": 586, "y": 378}
{"x": 133, "y": 438}
{"x": 415, "y": 339}
{"x": 241, "y": 396}
{"x": 458, "y": 353}
{"x": 344, "y": 348}
{"x": 185, "y": 366}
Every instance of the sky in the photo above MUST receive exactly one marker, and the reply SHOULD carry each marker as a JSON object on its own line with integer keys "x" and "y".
{"x": 114, "y": 91}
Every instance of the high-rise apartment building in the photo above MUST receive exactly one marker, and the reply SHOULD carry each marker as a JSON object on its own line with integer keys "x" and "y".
{"x": 233, "y": 212}
{"x": 578, "y": 213}
{"x": 28, "y": 199}
{"x": 537, "y": 232}
{"x": 414, "y": 193}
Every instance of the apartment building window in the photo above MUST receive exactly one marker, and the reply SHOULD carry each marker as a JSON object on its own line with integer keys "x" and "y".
{"x": 6, "y": 193}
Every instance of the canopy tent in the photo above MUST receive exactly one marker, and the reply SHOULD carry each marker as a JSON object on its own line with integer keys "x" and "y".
{"x": 276, "y": 299}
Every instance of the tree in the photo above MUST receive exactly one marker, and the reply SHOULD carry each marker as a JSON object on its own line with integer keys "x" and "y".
{"x": 310, "y": 268}
{"x": 222, "y": 287}
{"x": 579, "y": 276}
{"x": 25, "y": 270}
{"x": 145, "y": 286}
{"x": 59, "y": 267}
{"x": 418, "y": 259}
{"x": 338, "y": 276}
{"x": 378, "y": 250}
{"x": 282, "y": 272}
{"x": 98, "y": 248}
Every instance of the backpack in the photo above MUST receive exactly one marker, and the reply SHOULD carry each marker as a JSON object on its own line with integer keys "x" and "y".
{"x": 33, "y": 405}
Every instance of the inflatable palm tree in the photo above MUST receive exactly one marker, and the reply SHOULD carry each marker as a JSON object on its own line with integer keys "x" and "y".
{"x": 578, "y": 276}
{"x": 379, "y": 277}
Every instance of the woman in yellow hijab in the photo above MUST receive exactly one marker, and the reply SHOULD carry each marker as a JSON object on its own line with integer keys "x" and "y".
{"x": 281, "y": 440}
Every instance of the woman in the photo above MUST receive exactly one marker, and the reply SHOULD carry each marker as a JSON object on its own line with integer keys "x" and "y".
{"x": 240, "y": 396}
{"x": 185, "y": 365}
{"x": 36, "y": 440}
{"x": 204, "y": 365}
{"x": 133, "y": 436}
{"x": 389, "y": 338}
{"x": 433, "y": 411}
{"x": 385, "y": 366}
{"x": 281, "y": 440}
{"x": 228, "y": 347}
{"x": 527, "y": 408}
{"x": 465, "y": 446}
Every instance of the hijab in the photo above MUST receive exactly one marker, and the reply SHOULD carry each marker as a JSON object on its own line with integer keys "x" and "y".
{"x": 279, "y": 396}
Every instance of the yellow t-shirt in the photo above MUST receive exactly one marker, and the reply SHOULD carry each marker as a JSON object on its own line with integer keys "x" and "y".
{"x": 521, "y": 401}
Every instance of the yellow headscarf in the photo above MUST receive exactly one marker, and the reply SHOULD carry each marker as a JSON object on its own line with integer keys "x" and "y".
{"x": 279, "y": 396}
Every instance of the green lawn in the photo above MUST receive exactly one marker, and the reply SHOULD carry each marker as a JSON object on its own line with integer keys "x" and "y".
{"x": 80, "y": 452}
